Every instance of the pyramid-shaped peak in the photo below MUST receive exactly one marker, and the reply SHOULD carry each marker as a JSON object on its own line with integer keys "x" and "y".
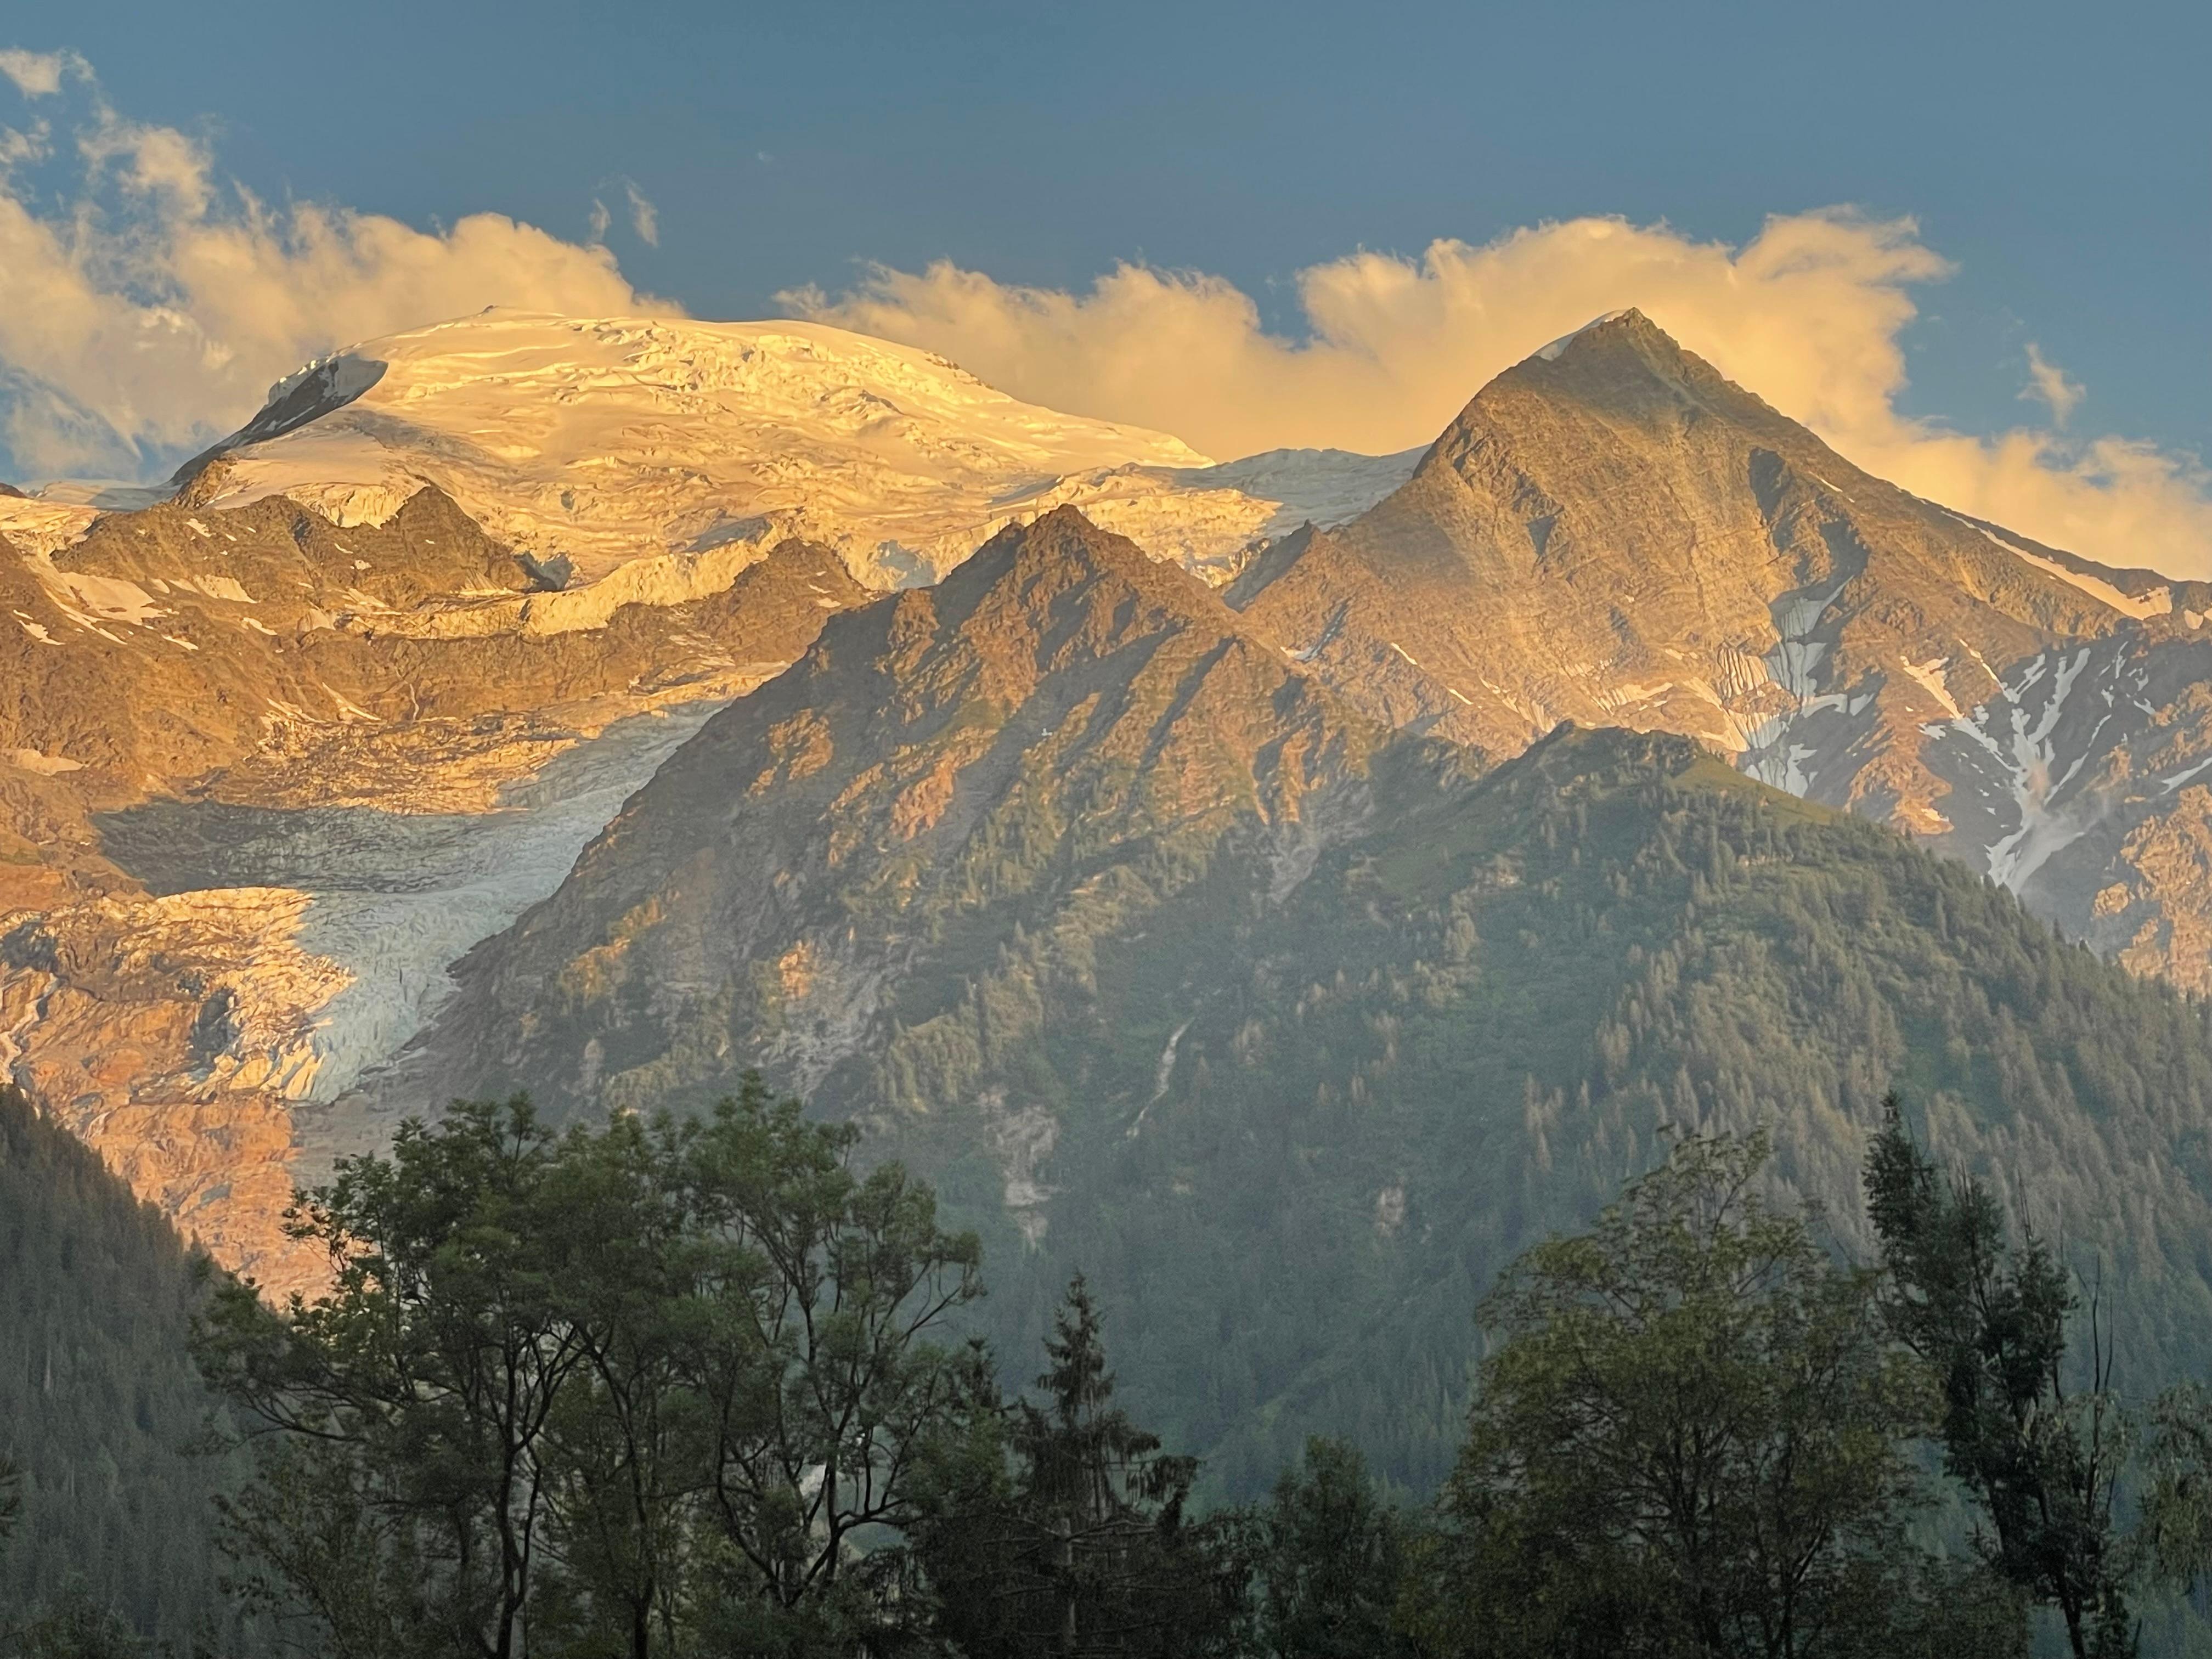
{"x": 1626, "y": 365}
{"x": 1628, "y": 328}
{"x": 1065, "y": 539}
{"x": 1062, "y": 564}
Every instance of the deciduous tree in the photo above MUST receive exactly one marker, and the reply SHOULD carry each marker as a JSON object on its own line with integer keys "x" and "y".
{"x": 2040, "y": 1456}
{"x": 1691, "y": 1437}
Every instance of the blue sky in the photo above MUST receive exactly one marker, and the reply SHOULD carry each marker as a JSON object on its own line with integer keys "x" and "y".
{"x": 2056, "y": 156}
{"x": 2061, "y": 155}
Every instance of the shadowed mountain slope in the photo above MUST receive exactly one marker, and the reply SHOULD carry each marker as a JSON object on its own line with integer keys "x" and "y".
{"x": 1286, "y": 1031}
{"x": 99, "y": 1405}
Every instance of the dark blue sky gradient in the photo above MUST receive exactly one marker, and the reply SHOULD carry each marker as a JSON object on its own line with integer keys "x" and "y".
{"x": 2059, "y": 155}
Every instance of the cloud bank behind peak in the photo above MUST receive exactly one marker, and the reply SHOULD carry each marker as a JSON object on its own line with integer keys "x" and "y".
{"x": 1810, "y": 314}
{"x": 146, "y": 303}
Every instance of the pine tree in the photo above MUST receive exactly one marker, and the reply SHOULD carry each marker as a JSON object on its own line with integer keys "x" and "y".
{"x": 1085, "y": 1551}
{"x": 1327, "y": 1557}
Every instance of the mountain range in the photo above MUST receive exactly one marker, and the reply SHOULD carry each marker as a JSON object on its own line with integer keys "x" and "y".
{"x": 1278, "y": 889}
{"x": 1612, "y": 533}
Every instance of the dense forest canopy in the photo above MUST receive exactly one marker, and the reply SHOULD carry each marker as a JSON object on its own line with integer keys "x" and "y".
{"x": 99, "y": 1402}
{"x": 1295, "y": 1143}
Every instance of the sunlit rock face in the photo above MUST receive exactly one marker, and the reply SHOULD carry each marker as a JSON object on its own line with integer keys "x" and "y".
{"x": 279, "y": 753}
{"x": 1612, "y": 533}
{"x": 1064, "y": 725}
{"x": 264, "y": 777}
{"x": 283, "y": 745}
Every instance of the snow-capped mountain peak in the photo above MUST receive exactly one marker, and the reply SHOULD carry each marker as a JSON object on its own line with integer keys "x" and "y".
{"x": 605, "y": 440}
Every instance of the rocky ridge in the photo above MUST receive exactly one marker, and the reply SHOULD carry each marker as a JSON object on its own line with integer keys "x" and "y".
{"x": 1612, "y": 533}
{"x": 1058, "y": 738}
{"x": 262, "y": 777}
{"x": 267, "y": 770}
{"x": 1091, "y": 900}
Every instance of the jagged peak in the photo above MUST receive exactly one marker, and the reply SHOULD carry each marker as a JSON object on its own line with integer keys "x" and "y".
{"x": 1622, "y": 363}
{"x": 1625, "y": 340}
{"x": 1066, "y": 540}
{"x": 1627, "y": 320}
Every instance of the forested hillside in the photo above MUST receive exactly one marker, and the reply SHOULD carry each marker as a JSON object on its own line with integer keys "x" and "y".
{"x": 1290, "y": 1031}
{"x": 98, "y": 1400}
{"x": 1293, "y": 1147}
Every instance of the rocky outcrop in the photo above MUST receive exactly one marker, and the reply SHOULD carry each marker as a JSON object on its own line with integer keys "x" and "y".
{"x": 1050, "y": 747}
{"x": 172, "y": 1035}
{"x": 263, "y": 777}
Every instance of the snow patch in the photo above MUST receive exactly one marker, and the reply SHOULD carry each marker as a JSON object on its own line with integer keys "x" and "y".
{"x": 81, "y": 596}
{"x": 2025, "y": 755}
{"x": 1552, "y": 353}
{"x": 2151, "y": 602}
{"x": 1929, "y": 676}
{"x": 217, "y": 587}
{"x": 31, "y": 759}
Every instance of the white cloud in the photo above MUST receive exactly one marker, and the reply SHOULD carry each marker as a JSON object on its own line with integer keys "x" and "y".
{"x": 38, "y": 73}
{"x": 2050, "y": 383}
{"x": 1809, "y": 314}
{"x": 644, "y": 217}
{"x": 22, "y": 148}
{"x": 148, "y": 161}
{"x": 146, "y": 304}
{"x": 601, "y": 220}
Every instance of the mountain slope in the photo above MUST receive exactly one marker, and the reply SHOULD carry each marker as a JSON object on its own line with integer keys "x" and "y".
{"x": 261, "y": 778}
{"x": 98, "y": 1403}
{"x": 605, "y": 441}
{"x": 1288, "y": 1033}
{"x": 1611, "y": 532}
{"x": 264, "y": 777}
{"x": 1061, "y": 736}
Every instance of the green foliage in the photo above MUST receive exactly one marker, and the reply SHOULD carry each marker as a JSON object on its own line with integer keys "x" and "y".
{"x": 1463, "y": 1029}
{"x": 1083, "y": 1545}
{"x": 2173, "y": 1534}
{"x": 1327, "y": 1558}
{"x": 99, "y": 1405}
{"x": 1990, "y": 1318}
{"x": 1293, "y": 1094}
{"x": 75, "y": 1626}
{"x": 634, "y": 1389}
{"x": 1692, "y": 1438}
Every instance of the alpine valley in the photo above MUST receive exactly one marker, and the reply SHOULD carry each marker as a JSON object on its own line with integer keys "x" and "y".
{"x": 1280, "y": 889}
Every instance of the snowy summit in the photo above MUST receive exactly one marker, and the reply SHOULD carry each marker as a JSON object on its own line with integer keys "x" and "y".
{"x": 600, "y": 441}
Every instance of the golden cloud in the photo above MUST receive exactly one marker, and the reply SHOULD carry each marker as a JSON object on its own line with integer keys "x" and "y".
{"x": 149, "y": 310}
{"x": 1809, "y": 314}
